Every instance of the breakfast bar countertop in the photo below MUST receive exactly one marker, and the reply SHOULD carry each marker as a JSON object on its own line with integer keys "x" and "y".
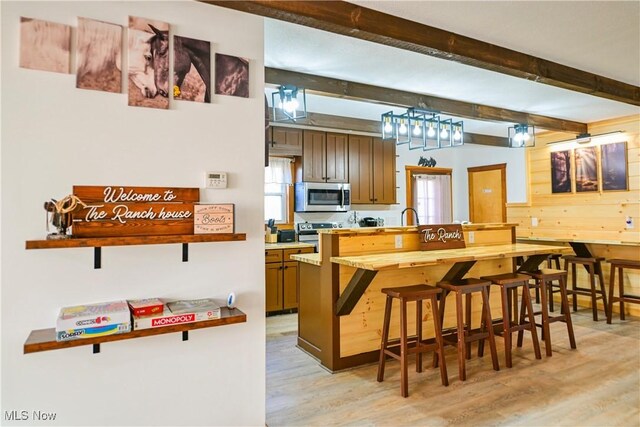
{"x": 410, "y": 228}
{"x": 313, "y": 259}
{"x": 395, "y": 260}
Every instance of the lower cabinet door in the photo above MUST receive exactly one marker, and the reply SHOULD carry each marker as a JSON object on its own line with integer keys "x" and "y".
{"x": 290, "y": 285}
{"x": 273, "y": 284}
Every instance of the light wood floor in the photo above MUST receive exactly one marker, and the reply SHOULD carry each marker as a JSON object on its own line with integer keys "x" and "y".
{"x": 596, "y": 385}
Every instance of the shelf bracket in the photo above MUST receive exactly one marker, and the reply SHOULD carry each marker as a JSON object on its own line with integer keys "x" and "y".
{"x": 96, "y": 348}
{"x": 185, "y": 252}
{"x": 185, "y": 335}
{"x": 97, "y": 257}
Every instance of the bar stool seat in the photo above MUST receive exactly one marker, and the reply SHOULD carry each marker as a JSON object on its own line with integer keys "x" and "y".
{"x": 544, "y": 277}
{"x": 620, "y": 265}
{"x": 405, "y": 294}
{"x": 464, "y": 335}
{"x": 509, "y": 284}
{"x": 594, "y": 268}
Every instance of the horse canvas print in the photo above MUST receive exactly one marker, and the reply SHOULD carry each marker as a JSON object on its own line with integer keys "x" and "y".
{"x": 232, "y": 75}
{"x": 148, "y": 63}
{"x": 45, "y": 45}
{"x": 99, "y": 56}
{"x": 191, "y": 69}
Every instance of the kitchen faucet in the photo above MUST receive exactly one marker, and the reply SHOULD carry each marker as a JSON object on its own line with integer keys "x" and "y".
{"x": 402, "y": 216}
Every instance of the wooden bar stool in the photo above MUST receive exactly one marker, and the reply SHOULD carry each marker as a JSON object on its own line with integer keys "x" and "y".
{"x": 553, "y": 261}
{"x": 543, "y": 278}
{"x": 509, "y": 284}
{"x": 416, "y": 293}
{"x": 620, "y": 265}
{"x": 594, "y": 267}
{"x": 464, "y": 337}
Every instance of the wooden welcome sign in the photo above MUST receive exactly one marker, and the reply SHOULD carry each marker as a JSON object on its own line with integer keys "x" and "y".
{"x": 441, "y": 236}
{"x": 134, "y": 211}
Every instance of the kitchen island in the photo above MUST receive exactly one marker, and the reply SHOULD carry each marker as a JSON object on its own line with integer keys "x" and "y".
{"x": 340, "y": 304}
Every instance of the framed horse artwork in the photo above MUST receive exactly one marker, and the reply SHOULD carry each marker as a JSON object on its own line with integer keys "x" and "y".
{"x": 148, "y": 63}
{"x": 191, "y": 69}
{"x": 232, "y": 75}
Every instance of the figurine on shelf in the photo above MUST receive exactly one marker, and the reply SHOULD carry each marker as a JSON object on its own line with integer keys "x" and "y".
{"x": 60, "y": 215}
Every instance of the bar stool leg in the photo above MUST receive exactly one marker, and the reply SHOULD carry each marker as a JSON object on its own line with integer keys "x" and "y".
{"x": 418, "y": 335}
{"x": 461, "y": 338}
{"x": 521, "y": 320}
{"x": 385, "y": 338}
{"x": 612, "y": 283}
{"x": 546, "y": 331}
{"x": 607, "y": 312}
{"x": 532, "y": 323}
{"x": 486, "y": 311}
{"x": 438, "y": 333}
{"x": 441, "y": 307}
{"x": 620, "y": 294}
{"x": 404, "y": 374}
{"x": 467, "y": 315}
{"x": 594, "y": 304}
{"x": 506, "y": 326}
{"x": 573, "y": 285}
{"x": 567, "y": 314}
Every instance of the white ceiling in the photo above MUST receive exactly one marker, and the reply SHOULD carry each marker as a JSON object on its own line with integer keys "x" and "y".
{"x": 599, "y": 37}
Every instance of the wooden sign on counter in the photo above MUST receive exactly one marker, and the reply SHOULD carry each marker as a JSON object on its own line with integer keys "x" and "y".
{"x": 441, "y": 236}
{"x": 134, "y": 211}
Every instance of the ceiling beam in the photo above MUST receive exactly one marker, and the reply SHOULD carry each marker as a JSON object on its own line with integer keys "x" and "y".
{"x": 373, "y": 126}
{"x": 362, "y": 92}
{"x": 356, "y": 21}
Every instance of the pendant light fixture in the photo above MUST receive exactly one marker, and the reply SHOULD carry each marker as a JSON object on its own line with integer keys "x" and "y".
{"x": 422, "y": 129}
{"x": 522, "y": 135}
{"x": 289, "y": 102}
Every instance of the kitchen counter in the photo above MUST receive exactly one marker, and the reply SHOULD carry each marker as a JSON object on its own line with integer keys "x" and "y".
{"x": 410, "y": 228}
{"x": 313, "y": 259}
{"x": 288, "y": 245}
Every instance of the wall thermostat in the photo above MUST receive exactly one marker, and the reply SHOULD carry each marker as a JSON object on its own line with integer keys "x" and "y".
{"x": 215, "y": 180}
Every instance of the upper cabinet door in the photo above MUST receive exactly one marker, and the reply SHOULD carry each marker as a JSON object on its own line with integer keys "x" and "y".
{"x": 360, "y": 168}
{"x": 337, "y": 162}
{"x": 286, "y": 141}
{"x": 384, "y": 171}
{"x": 313, "y": 156}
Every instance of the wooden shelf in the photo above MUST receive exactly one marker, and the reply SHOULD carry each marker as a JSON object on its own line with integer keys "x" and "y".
{"x": 98, "y": 242}
{"x": 132, "y": 240}
{"x": 45, "y": 339}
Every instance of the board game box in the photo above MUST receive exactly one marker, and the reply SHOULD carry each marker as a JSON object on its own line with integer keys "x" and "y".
{"x": 146, "y": 307}
{"x": 180, "y": 312}
{"x": 92, "y": 320}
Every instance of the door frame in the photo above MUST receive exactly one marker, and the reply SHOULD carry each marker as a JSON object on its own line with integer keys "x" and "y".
{"x": 503, "y": 177}
{"x": 410, "y": 171}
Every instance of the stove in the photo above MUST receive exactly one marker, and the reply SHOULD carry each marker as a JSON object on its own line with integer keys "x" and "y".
{"x": 308, "y": 231}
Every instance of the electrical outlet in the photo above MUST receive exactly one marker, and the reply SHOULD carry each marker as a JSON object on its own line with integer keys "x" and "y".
{"x": 534, "y": 221}
{"x": 628, "y": 222}
{"x": 472, "y": 237}
{"x": 398, "y": 241}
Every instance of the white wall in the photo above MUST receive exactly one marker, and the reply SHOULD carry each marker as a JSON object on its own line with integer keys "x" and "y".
{"x": 55, "y": 136}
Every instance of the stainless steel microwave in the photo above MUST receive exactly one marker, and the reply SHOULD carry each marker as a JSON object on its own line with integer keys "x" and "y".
{"x": 322, "y": 197}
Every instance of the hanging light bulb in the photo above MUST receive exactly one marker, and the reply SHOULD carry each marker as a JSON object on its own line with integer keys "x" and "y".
{"x": 457, "y": 135}
{"x": 431, "y": 132}
{"x": 525, "y": 136}
{"x": 444, "y": 133}
{"x": 387, "y": 125}
{"x": 403, "y": 128}
{"x": 416, "y": 129}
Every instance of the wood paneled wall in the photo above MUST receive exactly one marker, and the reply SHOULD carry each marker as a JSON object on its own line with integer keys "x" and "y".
{"x": 590, "y": 216}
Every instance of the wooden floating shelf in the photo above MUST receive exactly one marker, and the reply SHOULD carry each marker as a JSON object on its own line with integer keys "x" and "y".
{"x": 96, "y": 242}
{"x": 45, "y": 339}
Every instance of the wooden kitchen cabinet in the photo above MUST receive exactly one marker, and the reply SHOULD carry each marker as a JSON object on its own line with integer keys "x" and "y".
{"x": 286, "y": 141}
{"x": 281, "y": 279}
{"x": 372, "y": 170}
{"x": 325, "y": 157}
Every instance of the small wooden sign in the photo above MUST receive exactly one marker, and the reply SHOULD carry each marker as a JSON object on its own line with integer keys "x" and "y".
{"x": 212, "y": 219}
{"x": 134, "y": 211}
{"x": 441, "y": 236}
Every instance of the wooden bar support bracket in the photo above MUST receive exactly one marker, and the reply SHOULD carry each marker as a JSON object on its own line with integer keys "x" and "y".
{"x": 185, "y": 252}
{"x": 457, "y": 271}
{"x": 533, "y": 262}
{"x": 97, "y": 257}
{"x": 354, "y": 290}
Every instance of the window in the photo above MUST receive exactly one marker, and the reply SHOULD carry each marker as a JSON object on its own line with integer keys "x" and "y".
{"x": 277, "y": 178}
{"x": 432, "y": 198}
